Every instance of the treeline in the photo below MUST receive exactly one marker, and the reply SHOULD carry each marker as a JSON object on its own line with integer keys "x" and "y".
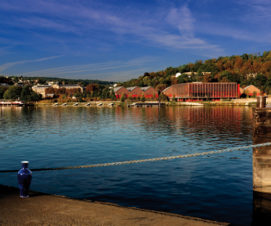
{"x": 82, "y": 82}
{"x": 246, "y": 69}
{"x": 24, "y": 93}
{"x": 91, "y": 92}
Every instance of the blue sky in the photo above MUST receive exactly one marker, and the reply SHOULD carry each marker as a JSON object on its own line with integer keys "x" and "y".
{"x": 121, "y": 39}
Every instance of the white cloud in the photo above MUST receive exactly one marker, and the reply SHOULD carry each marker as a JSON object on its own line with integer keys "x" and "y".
{"x": 5, "y": 66}
{"x": 79, "y": 19}
{"x": 113, "y": 70}
{"x": 183, "y": 20}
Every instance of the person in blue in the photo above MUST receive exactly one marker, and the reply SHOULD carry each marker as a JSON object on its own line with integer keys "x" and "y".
{"x": 24, "y": 179}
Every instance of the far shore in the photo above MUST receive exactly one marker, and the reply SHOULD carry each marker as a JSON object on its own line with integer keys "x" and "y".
{"x": 104, "y": 103}
{"x": 249, "y": 102}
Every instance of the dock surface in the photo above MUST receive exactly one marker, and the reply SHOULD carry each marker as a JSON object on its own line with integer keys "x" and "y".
{"x": 43, "y": 209}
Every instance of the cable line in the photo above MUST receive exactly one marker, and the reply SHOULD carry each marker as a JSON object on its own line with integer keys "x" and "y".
{"x": 147, "y": 160}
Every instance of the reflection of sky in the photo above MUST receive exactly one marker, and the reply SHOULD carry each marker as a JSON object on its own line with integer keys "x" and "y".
{"x": 151, "y": 132}
{"x": 214, "y": 187}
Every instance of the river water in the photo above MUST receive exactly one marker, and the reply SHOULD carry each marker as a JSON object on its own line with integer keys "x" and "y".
{"x": 217, "y": 187}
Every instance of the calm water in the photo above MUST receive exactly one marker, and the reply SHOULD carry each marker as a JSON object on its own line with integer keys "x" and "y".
{"x": 217, "y": 187}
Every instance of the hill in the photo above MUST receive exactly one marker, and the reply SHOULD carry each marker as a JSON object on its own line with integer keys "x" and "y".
{"x": 245, "y": 69}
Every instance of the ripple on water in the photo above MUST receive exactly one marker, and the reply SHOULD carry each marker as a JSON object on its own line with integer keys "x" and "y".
{"x": 216, "y": 187}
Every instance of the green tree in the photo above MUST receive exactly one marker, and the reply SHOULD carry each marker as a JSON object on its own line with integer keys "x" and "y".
{"x": 162, "y": 97}
{"x": 27, "y": 94}
{"x": 112, "y": 95}
{"x": 123, "y": 98}
{"x": 143, "y": 98}
{"x": 13, "y": 92}
{"x": 106, "y": 93}
{"x": 260, "y": 81}
{"x": 79, "y": 96}
{"x": 2, "y": 91}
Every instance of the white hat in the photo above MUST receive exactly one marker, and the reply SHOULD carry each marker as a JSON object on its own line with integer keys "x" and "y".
{"x": 24, "y": 162}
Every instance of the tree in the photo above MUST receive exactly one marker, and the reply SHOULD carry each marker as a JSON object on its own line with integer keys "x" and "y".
{"x": 123, "y": 98}
{"x": 6, "y": 80}
{"x": 112, "y": 95}
{"x": 2, "y": 91}
{"x": 162, "y": 97}
{"x": 106, "y": 93}
{"x": 160, "y": 87}
{"x": 92, "y": 90}
{"x": 79, "y": 96}
{"x": 229, "y": 77}
{"x": 260, "y": 81}
{"x": 143, "y": 98}
{"x": 13, "y": 92}
{"x": 27, "y": 94}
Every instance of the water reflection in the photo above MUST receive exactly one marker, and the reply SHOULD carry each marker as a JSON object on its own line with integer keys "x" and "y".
{"x": 171, "y": 119}
{"x": 261, "y": 209}
{"x": 262, "y": 173}
{"x": 215, "y": 187}
{"x": 179, "y": 119}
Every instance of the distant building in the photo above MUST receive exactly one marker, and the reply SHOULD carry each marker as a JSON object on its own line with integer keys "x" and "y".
{"x": 178, "y": 74}
{"x": 149, "y": 92}
{"x": 135, "y": 91}
{"x": 251, "y": 75}
{"x": 251, "y": 90}
{"x": 41, "y": 89}
{"x": 68, "y": 87}
{"x": 202, "y": 91}
{"x": 20, "y": 83}
{"x": 120, "y": 91}
{"x": 190, "y": 73}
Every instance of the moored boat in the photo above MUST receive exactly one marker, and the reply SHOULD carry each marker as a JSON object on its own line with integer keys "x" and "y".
{"x": 13, "y": 103}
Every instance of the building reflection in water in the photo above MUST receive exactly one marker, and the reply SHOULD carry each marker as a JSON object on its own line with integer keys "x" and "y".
{"x": 204, "y": 121}
{"x": 262, "y": 173}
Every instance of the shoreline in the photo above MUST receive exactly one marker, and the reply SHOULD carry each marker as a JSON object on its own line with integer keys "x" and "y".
{"x": 104, "y": 103}
{"x": 41, "y": 209}
{"x": 249, "y": 102}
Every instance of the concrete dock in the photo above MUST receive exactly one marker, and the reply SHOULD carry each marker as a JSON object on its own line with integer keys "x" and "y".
{"x": 43, "y": 209}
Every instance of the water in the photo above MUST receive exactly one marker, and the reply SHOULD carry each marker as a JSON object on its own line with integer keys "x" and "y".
{"x": 217, "y": 187}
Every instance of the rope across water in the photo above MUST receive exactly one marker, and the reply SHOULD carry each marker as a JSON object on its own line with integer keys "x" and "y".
{"x": 147, "y": 160}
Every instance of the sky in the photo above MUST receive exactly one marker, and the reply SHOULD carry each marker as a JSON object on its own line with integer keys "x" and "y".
{"x": 118, "y": 40}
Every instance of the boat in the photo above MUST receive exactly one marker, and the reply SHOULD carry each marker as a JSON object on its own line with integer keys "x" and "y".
{"x": 88, "y": 104}
{"x": 64, "y": 104}
{"x": 55, "y": 104}
{"x": 75, "y": 104}
{"x": 111, "y": 104}
{"x": 100, "y": 104}
{"x": 12, "y": 103}
{"x": 192, "y": 104}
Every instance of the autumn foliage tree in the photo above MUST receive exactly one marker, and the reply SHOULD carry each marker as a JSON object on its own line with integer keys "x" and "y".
{"x": 245, "y": 69}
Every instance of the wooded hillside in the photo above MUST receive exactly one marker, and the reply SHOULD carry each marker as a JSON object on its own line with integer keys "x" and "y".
{"x": 246, "y": 69}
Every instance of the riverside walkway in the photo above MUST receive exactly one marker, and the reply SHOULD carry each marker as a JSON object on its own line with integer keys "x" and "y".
{"x": 43, "y": 209}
